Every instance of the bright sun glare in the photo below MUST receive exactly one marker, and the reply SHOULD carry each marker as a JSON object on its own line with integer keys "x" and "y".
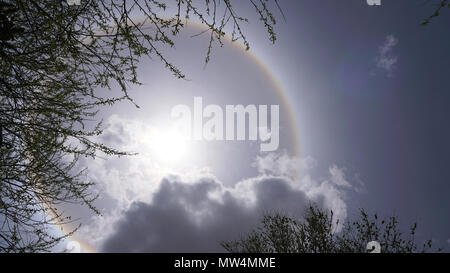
{"x": 168, "y": 146}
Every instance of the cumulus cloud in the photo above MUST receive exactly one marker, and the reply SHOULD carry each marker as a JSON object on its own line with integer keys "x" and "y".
{"x": 338, "y": 177}
{"x": 281, "y": 164}
{"x": 151, "y": 210}
{"x": 196, "y": 216}
{"x": 196, "y": 213}
{"x": 386, "y": 60}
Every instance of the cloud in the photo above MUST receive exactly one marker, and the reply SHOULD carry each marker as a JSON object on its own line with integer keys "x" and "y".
{"x": 281, "y": 164}
{"x": 186, "y": 217}
{"x": 196, "y": 213}
{"x": 385, "y": 59}
{"x": 338, "y": 177}
{"x": 148, "y": 209}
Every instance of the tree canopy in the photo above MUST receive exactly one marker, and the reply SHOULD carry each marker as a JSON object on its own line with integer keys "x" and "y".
{"x": 317, "y": 232}
{"x": 54, "y": 58}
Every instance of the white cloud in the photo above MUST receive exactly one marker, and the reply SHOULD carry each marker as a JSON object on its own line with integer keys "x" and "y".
{"x": 386, "y": 60}
{"x": 186, "y": 216}
{"x": 278, "y": 164}
{"x": 196, "y": 215}
{"x": 338, "y": 177}
{"x": 154, "y": 209}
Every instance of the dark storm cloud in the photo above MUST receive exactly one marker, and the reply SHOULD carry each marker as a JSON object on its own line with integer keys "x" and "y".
{"x": 197, "y": 216}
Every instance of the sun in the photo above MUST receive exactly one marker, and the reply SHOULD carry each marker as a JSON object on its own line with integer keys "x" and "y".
{"x": 167, "y": 146}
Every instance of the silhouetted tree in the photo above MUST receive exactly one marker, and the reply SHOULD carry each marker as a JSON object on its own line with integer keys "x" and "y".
{"x": 437, "y": 12}
{"x": 53, "y": 58}
{"x": 317, "y": 232}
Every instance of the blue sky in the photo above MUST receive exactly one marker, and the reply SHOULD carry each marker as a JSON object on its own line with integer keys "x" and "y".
{"x": 369, "y": 90}
{"x": 390, "y": 128}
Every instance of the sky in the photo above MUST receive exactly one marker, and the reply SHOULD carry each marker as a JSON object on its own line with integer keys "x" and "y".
{"x": 364, "y": 102}
{"x": 372, "y": 91}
